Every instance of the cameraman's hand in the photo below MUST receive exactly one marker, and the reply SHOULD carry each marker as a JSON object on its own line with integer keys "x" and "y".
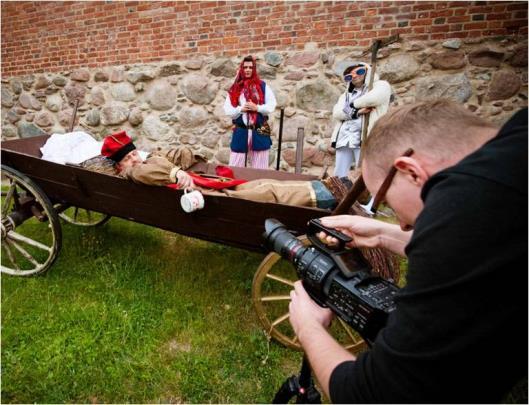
{"x": 366, "y": 232}
{"x": 305, "y": 314}
{"x": 310, "y": 321}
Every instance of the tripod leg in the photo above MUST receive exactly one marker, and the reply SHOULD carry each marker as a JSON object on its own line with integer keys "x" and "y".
{"x": 301, "y": 386}
{"x": 288, "y": 390}
{"x": 308, "y": 394}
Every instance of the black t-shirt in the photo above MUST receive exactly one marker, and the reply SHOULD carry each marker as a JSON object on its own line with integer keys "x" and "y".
{"x": 459, "y": 333}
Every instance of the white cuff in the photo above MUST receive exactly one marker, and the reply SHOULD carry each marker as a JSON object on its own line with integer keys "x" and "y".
{"x": 172, "y": 174}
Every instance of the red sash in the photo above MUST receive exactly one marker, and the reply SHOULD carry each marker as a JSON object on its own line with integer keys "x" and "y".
{"x": 216, "y": 182}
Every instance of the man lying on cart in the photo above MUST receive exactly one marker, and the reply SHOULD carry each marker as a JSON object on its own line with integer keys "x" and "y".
{"x": 169, "y": 167}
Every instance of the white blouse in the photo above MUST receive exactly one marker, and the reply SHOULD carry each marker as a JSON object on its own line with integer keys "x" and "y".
{"x": 266, "y": 109}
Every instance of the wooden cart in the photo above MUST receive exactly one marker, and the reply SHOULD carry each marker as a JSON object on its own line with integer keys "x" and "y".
{"x": 36, "y": 193}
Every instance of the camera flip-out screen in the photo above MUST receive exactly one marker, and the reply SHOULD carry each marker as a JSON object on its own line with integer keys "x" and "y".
{"x": 349, "y": 262}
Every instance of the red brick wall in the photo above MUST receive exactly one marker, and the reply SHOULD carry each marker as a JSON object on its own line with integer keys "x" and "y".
{"x": 55, "y": 36}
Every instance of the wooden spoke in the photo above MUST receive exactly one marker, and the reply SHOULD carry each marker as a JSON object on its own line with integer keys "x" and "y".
{"x": 280, "y": 279}
{"x": 25, "y": 253}
{"x": 7, "y": 201}
{"x": 282, "y": 318}
{"x": 16, "y": 197}
{"x": 83, "y": 217}
{"x": 350, "y": 346}
{"x": 10, "y": 255}
{"x": 348, "y": 330}
{"x": 20, "y": 238}
{"x": 275, "y": 298}
{"x": 356, "y": 343}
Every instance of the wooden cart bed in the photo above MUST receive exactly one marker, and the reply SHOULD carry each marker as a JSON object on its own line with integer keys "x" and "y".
{"x": 226, "y": 220}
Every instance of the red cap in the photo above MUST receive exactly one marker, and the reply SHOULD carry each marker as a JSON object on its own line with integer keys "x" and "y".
{"x": 224, "y": 171}
{"x": 117, "y": 146}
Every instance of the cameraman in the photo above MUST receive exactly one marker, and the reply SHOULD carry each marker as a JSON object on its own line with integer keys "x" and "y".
{"x": 459, "y": 332}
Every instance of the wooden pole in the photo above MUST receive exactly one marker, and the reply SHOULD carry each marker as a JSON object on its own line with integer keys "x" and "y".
{"x": 377, "y": 44}
{"x": 280, "y": 138}
{"x": 350, "y": 198}
{"x": 74, "y": 114}
{"x": 299, "y": 149}
{"x": 365, "y": 123}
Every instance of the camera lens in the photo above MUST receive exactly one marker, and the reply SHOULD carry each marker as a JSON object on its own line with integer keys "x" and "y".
{"x": 312, "y": 266}
{"x": 280, "y": 240}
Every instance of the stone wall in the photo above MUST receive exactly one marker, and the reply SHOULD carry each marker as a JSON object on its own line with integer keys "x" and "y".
{"x": 169, "y": 103}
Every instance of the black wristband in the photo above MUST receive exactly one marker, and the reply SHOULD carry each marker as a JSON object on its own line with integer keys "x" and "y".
{"x": 354, "y": 112}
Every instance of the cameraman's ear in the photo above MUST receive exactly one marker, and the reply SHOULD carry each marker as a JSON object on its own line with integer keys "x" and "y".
{"x": 412, "y": 169}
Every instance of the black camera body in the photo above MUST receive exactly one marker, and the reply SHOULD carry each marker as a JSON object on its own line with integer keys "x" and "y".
{"x": 339, "y": 279}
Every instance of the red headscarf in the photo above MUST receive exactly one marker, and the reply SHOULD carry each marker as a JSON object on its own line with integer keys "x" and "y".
{"x": 251, "y": 88}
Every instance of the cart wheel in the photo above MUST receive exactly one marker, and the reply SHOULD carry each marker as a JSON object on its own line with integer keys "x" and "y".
{"x": 271, "y": 288}
{"x": 83, "y": 217}
{"x": 31, "y": 231}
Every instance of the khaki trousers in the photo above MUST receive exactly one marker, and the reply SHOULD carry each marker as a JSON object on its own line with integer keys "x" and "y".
{"x": 290, "y": 192}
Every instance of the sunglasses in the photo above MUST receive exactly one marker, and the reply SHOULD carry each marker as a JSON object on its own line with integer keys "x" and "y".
{"x": 359, "y": 187}
{"x": 358, "y": 72}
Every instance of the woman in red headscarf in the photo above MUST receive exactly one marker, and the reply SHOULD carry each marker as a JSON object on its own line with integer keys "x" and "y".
{"x": 249, "y": 103}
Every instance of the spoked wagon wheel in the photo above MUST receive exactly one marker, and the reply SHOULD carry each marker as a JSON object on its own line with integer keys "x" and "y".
{"x": 31, "y": 231}
{"x": 83, "y": 217}
{"x": 271, "y": 288}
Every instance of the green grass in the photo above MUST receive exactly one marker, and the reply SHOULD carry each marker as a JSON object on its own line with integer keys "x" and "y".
{"x": 129, "y": 313}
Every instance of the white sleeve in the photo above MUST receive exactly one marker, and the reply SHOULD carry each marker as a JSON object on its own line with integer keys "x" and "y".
{"x": 270, "y": 102}
{"x": 337, "y": 111}
{"x": 233, "y": 112}
{"x": 379, "y": 95}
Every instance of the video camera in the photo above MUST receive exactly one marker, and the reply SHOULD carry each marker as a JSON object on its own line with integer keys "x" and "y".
{"x": 340, "y": 278}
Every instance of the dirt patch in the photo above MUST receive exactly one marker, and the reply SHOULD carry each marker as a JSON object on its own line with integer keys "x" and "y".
{"x": 174, "y": 346}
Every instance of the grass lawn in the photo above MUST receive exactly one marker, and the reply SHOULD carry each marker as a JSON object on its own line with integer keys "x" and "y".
{"x": 130, "y": 313}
